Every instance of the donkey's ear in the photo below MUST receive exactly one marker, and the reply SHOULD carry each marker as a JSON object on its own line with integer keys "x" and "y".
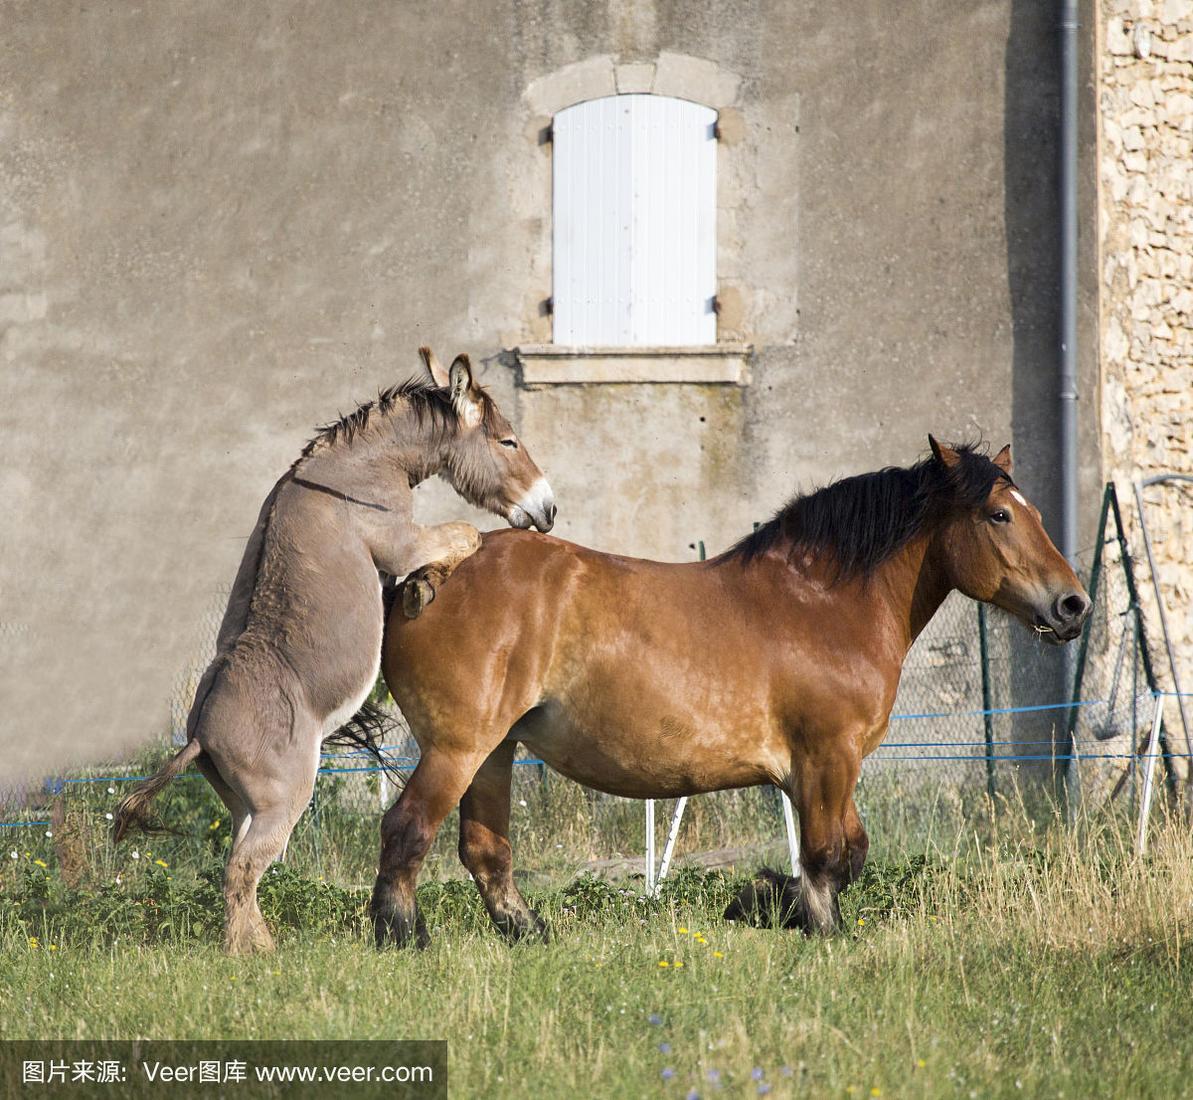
{"x": 943, "y": 453}
{"x": 1003, "y": 460}
{"x": 434, "y": 367}
{"x": 461, "y": 387}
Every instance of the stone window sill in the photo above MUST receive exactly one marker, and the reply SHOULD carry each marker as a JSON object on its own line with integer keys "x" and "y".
{"x": 555, "y": 364}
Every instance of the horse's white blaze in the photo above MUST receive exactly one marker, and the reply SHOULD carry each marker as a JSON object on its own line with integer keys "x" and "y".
{"x": 1018, "y": 496}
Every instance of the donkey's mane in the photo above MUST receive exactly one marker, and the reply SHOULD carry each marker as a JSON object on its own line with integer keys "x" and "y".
{"x": 864, "y": 520}
{"x": 426, "y": 400}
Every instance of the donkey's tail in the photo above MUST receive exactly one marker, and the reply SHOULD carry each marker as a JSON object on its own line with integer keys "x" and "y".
{"x": 132, "y": 813}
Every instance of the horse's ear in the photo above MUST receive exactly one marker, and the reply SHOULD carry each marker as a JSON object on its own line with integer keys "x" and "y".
{"x": 943, "y": 453}
{"x": 462, "y": 390}
{"x": 1003, "y": 460}
{"x": 434, "y": 367}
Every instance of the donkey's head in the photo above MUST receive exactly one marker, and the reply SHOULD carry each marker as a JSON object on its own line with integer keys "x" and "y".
{"x": 484, "y": 460}
{"x": 994, "y": 548}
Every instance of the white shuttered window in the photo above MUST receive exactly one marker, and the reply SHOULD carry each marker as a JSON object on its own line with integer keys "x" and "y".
{"x": 634, "y": 239}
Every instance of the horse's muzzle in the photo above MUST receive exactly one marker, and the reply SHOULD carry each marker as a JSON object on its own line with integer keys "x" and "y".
{"x": 1064, "y": 618}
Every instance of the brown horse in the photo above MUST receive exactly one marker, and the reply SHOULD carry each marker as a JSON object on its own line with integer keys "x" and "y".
{"x": 591, "y": 661}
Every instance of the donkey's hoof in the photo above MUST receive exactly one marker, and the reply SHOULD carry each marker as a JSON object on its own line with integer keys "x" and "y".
{"x": 416, "y": 594}
{"x": 257, "y": 942}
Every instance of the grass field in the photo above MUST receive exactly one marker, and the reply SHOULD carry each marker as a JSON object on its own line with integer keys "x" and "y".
{"x": 1022, "y": 960}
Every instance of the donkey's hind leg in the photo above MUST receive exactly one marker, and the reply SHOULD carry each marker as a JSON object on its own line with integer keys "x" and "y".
{"x": 228, "y": 796}
{"x": 275, "y": 799}
{"x": 407, "y": 831}
{"x": 485, "y": 847}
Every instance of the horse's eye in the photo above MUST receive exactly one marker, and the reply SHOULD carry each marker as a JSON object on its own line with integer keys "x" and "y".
{"x": 1001, "y": 516}
{"x": 512, "y": 443}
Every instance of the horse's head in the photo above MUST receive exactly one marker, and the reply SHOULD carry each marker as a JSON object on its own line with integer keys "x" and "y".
{"x": 997, "y": 550}
{"x": 484, "y": 460}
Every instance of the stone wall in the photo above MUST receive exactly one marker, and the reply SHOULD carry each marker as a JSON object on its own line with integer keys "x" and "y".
{"x": 1145, "y": 73}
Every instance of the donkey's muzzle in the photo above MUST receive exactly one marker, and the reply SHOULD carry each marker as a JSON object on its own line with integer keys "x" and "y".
{"x": 536, "y": 508}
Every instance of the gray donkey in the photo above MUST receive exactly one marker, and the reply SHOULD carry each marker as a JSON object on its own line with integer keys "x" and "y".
{"x": 300, "y": 643}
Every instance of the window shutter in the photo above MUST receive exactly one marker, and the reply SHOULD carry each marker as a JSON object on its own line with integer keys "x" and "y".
{"x": 634, "y": 222}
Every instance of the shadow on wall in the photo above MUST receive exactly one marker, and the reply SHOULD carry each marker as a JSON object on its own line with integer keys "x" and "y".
{"x": 1030, "y": 179}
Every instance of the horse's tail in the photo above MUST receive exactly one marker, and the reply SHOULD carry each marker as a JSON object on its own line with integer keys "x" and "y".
{"x": 367, "y": 730}
{"x": 132, "y": 813}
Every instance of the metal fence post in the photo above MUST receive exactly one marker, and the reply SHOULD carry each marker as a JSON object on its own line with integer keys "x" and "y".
{"x": 1095, "y": 574}
{"x": 1144, "y": 653}
{"x": 987, "y": 717}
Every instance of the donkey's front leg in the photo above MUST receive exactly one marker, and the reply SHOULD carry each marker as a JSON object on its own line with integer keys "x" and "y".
{"x": 439, "y": 550}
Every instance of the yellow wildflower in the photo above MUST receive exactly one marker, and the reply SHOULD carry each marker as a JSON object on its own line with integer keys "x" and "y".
{"x": 40, "y": 862}
{"x": 161, "y": 863}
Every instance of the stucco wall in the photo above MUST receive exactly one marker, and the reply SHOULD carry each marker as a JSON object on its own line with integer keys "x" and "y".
{"x": 1146, "y": 168}
{"x": 223, "y": 223}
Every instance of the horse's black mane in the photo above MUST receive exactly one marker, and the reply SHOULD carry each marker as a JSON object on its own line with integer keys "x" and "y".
{"x": 862, "y": 521}
{"x": 426, "y": 401}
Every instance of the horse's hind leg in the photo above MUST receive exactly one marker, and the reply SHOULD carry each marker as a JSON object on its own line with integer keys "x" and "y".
{"x": 485, "y": 847}
{"x": 407, "y": 831}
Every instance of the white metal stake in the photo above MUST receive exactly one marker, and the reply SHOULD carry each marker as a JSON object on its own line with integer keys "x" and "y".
{"x": 792, "y": 835}
{"x": 650, "y": 879}
{"x": 1149, "y": 776}
{"x": 672, "y": 834}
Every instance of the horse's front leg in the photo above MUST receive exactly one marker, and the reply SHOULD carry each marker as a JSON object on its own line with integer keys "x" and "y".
{"x": 439, "y": 550}
{"x": 833, "y": 842}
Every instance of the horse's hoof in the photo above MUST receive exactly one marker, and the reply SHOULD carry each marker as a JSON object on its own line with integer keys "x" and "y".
{"x": 540, "y": 929}
{"x": 416, "y": 594}
{"x": 397, "y": 931}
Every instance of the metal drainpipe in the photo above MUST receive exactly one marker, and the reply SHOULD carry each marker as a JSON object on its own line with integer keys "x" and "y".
{"x": 1068, "y": 277}
{"x": 1067, "y": 360}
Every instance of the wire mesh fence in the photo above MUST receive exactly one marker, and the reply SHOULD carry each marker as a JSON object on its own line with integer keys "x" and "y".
{"x": 984, "y": 710}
